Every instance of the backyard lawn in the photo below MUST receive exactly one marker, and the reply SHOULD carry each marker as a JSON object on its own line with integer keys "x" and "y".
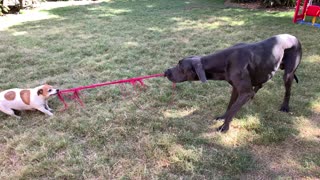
{"x": 156, "y": 133}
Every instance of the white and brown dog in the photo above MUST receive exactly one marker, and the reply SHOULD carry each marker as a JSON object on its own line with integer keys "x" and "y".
{"x": 27, "y": 99}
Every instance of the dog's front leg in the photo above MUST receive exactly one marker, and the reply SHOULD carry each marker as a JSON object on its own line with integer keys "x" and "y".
{"x": 241, "y": 100}
{"x": 44, "y": 110}
{"x": 47, "y": 106}
{"x": 256, "y": 88}
{"x": 233, "y": 98}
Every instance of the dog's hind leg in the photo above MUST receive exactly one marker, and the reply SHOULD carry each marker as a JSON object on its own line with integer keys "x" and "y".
{"x": 288, "y": 78}
{"x": 291, "y": 60}
{"x": 9, "y": 112}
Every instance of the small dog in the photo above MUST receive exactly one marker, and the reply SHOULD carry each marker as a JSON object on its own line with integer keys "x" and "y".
{"x": 27, "y": 99}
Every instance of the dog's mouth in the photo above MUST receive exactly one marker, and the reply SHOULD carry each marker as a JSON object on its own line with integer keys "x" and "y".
{"x": 168, "y": 74}
{"x": 55, "y": 93}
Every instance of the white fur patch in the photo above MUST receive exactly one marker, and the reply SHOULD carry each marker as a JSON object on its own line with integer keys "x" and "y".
{"x": 284, "y": 41}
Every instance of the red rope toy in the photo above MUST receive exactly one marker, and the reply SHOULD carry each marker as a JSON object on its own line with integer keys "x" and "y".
{"x": 75, "y": 91}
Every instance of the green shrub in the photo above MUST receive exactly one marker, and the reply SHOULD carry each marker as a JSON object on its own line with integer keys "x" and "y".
{"x": 276, "y": 3}
{"x": 244, "y": 1}
{"x": 271, "y": 3}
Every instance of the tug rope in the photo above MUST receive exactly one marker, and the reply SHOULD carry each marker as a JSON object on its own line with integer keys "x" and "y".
{"x": 76, "y": 91}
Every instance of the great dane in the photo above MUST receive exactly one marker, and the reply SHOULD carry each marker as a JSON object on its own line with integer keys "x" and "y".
{"x": 245, "y": 66}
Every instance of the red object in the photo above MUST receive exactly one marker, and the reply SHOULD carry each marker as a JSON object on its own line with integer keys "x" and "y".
{"x": 75, "y": 91}
{"x": 313, "y": 11}
{"x": 297, "y": 16}
{"x": 306, "y": 10}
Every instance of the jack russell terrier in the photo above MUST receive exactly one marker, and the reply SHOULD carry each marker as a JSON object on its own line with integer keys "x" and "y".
{"x": 27, "y": 99}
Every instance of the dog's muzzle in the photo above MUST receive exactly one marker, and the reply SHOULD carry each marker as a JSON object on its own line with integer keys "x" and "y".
{"x": 167, "y": 73}
{"x": 57, "y": 91}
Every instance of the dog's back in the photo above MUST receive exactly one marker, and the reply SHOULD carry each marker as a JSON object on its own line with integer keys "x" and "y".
{"x": 18, "y": 99}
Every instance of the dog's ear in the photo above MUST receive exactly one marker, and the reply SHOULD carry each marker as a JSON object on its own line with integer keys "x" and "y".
{"x": 197, "y": 65}
{"x": 40, "y": 91}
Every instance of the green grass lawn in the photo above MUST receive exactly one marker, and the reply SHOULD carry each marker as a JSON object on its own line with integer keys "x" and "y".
{"x": 144, "y": 135}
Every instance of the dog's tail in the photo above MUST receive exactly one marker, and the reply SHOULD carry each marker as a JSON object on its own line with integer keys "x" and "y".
{"x": 296, "y": 78}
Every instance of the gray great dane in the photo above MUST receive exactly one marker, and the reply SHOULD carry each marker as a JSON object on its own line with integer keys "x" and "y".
{"x": 245, "y": 66}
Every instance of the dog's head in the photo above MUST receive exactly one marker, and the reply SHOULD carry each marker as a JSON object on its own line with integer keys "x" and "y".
{"x": 46, "y": 91}
{"x": 188, "y": 69}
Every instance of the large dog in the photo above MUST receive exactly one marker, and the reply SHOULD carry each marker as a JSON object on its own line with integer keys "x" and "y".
{"x": 246, "y": 66}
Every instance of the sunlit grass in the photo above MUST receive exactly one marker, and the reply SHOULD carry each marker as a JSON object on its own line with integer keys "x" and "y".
{"x": 9, "y": 21}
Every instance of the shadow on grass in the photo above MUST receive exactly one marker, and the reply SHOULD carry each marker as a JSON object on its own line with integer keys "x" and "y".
{"x": 114, "y": 40}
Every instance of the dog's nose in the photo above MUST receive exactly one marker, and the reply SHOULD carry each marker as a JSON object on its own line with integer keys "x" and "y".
{"x": 166, "y": 73}
{"x": 58, "y": 90}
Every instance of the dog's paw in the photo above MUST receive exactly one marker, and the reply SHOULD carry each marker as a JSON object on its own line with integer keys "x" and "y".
{"x": 17, "y": 117}
{"x": 49, "y": 109}
{"x": 223, "y": 128}
{"x": 50, "y": 114}
{"x": 284, "y": 109}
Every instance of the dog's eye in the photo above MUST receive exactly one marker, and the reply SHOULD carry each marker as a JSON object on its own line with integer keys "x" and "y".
{"x": 49, "y": 90}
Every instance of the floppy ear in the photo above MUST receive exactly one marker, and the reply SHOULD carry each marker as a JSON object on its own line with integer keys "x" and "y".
{"x": 197, "y": 65}
{"x": 40, "y": 91}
